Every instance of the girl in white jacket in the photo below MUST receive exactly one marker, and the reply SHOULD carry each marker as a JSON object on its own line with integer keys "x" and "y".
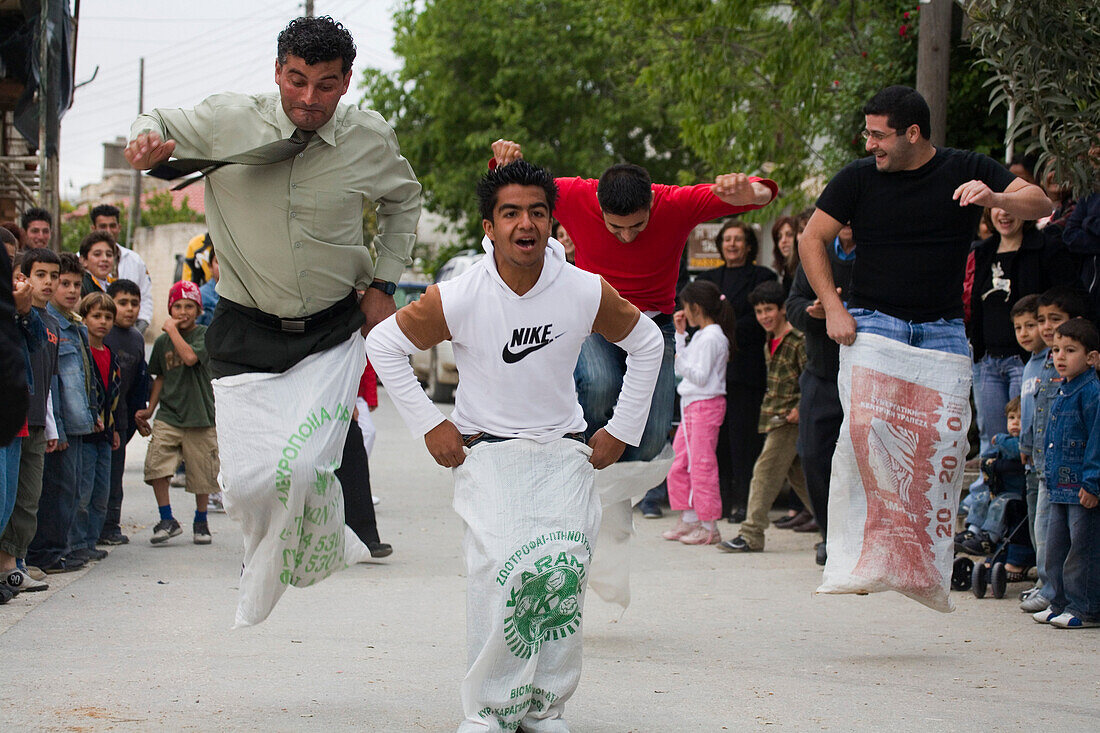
{"x": 693, "y": 478}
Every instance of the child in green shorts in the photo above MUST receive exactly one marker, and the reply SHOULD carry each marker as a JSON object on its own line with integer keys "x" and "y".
{"x": 184, "y": 426}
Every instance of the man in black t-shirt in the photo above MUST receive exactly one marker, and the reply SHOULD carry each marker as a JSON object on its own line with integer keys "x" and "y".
{"x": 913, "y": 210}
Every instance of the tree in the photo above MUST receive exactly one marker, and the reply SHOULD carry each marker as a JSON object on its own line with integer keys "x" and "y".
{"x": 556, "y": 75}
{"x": 157, "y": 208}
{"x": 1044, "y": 56}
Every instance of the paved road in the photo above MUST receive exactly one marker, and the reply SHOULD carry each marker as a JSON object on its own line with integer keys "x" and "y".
{"x": 711, "y": 642}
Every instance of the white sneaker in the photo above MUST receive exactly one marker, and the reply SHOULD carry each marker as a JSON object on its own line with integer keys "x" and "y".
{"x": 1034, "y": 602}
{"x": 1045, "y": 616}
{"x": 17, "y": 582}
{"x": 376, "y": 500}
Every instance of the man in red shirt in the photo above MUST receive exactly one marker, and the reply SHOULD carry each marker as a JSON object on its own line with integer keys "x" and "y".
{"x": 633, "y": 232}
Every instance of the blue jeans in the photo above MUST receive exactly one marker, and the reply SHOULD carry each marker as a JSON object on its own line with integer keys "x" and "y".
{"x": 91, "y": 502}
{"x": 996, "y": 381}
{"x": 1040, "y": 537}
{"x": 942, "y": 335}
{"x": 56, "y": 506}
{"x": 1073, "y": 560}
{"x": 599, "y": 377}
{"x": 9, "y": 479}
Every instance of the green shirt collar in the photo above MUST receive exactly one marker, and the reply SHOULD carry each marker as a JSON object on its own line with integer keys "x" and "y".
{"x": 326, "y": 132}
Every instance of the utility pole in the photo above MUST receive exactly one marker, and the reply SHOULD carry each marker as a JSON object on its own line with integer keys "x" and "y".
{"x": 309, "y": 8}
{"x": 45, "y": 175}
{"x": 134, "y": 220}
{"x": 933, "y": 59}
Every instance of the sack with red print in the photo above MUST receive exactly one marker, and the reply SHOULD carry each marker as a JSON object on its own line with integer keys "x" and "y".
{"x": 897, "y": 471}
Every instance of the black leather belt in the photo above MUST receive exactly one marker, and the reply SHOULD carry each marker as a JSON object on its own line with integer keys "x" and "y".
{"x": 471, "y": 440}
{"x": 661, "y": 319}
{"x": 297, "y": 325}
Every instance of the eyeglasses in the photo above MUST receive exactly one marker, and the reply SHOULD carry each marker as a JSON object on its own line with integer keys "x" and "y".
{"x": 879, "y": 136}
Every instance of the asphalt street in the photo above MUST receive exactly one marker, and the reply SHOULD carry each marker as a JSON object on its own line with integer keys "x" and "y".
{"x": 141, "y": 641}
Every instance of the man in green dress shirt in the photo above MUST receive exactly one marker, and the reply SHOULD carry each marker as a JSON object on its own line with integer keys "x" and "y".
{"x": 289, "y": 232}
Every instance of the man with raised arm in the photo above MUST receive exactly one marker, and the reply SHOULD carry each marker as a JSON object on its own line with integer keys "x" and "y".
{"x": 523, "y": 470}
{"x": 632, "y": 232}
{"x": 287, "y": 176}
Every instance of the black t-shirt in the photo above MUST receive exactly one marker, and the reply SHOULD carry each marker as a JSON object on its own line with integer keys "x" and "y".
{"x": 994, "y": 287}
{"x": 128, "y": 347}
{"x": 913, "y": 238}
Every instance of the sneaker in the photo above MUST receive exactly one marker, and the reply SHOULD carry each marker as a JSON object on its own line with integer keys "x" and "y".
{"x": 961, "y": 537}
{"x": 702, "y": 536}
{"x": 380, "y": 549}
{"x": 737, "y": 544}
{"x": 979, "y": 544}
{"x": 821, "y": 556}
{"x": 178, "y": 480}
{"x": 30, "y": 570}
{"x": 5, "y": 595}
{"x": 736, "y": 516}
{"x": 201, "y": 531}
{"x": 681, "y": 529}
{"x": 1069, "y": 621}
{"x": 215, "y": 504}
{"x": 375, "y": 499}
{"x": 650, "y": 510}
{"x": 1045, "y": 616}
{"x": 164, "y": 530}
{"x": 1034, "y": 602}
{"x": 17, "y": 582}
{"x": 113, "y": 539}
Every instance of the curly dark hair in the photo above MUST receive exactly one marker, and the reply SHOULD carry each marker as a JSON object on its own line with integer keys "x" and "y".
{"x": 315, "y": 40}
{"x": 519, "y": 172}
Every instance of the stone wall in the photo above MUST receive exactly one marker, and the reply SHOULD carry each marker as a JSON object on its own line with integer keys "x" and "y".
{"x": 159, "y": 247}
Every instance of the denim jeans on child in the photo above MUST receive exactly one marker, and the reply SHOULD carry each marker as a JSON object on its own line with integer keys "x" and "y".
{"x": 1073, "y": 561}
{"x": 57, "y": 504}
{"x": 9, "y": 479}
{"x": 599, "y": 377}
{"x": 91, "y": 502}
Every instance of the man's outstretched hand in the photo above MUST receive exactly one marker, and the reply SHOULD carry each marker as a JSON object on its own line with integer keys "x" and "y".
{"x": 147, "y": 150}
{"x": 506, "y": 151}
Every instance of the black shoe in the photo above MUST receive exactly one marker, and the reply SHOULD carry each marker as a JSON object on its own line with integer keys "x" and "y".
{"x": 649, "y": 509}
{"x": 89, "y": 554}
{"x": 201, "y": 531}
{"x": 821, "y": 555}
{"x": 736, "y": 516}
{"x": 5, "y": 595}
{"x": 63, "y": 565}
{"x": 979, "y": 544}
{"x": 961, "y": 538}
{"x": 113, "y": 539}
{"x": 793, "y": 520}
{"x": 164, "y": 530}
{"x": 737, "y": 544}
{"x": 379, "y": 549}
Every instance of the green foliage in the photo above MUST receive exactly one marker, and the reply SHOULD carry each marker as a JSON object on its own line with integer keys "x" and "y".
{"x": 157, "y": 209}
{"x": 558, "y": 76}
{"x": 1045, "y": 56}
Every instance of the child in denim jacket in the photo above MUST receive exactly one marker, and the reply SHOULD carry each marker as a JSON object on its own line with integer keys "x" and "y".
{"x": 1072, "y": 473}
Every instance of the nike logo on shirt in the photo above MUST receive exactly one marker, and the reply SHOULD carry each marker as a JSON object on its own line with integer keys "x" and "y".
{"x": 533, "y": 338}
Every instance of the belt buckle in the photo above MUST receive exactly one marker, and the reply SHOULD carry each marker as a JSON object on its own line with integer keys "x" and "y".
{"x": 290, "y": 325}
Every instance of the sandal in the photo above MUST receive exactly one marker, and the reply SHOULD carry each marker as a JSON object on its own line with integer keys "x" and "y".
{"x": 1016, "y": 576}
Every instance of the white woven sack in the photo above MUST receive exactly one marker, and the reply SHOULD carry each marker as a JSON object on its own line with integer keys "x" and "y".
{"x": 897, "y": 470}
{"x": 281, "y": 437}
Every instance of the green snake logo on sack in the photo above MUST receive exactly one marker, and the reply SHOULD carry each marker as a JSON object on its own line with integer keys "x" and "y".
{"x": 545, "y": 605}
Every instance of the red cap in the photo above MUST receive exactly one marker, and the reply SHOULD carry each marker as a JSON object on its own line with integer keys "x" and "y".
{"x": 184, "y": 289}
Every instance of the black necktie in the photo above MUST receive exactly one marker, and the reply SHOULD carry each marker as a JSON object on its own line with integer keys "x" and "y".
{"x": 275, "y": 152}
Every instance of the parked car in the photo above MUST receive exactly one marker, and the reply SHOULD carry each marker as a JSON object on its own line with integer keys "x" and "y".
{"x": 436, "y": 368}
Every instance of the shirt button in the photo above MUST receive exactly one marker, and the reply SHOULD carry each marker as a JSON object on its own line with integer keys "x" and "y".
{"x": 302, "y": 273}
{"x": 301, "y": 155}
{"x": 294, "y": 185}
{"x": 309, "y": 300}
{"x": 297, "y": 245}
{"x": 294, "y": 215}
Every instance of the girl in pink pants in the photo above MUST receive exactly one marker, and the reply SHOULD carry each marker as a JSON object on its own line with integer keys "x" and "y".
{"x": 693, "y": 478}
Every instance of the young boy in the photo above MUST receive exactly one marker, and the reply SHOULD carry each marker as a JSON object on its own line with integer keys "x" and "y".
{"x": 1072, "y": 476}
{"x": 40, "y": 269}
{"x": 128, "y": 347}
{"x": 785, "y": 354}
{"x": 76, "y": 405}
{"x": 185, "y": 422}
{"x": 97, "y": 310}
{"x": 1055, "y": 306}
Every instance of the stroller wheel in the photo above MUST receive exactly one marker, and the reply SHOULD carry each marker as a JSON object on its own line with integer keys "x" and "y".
{"x": 979, "y": 577}
{"x": 960, "y": 573}
{"x": 998, "y": 579}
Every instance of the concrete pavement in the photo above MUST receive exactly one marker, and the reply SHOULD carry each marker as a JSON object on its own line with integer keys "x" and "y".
{"x": 711, "y": 642}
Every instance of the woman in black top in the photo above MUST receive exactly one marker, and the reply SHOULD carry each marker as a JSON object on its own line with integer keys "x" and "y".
{"x": 739, "y": 443}
{"x": 1016, "y": 261}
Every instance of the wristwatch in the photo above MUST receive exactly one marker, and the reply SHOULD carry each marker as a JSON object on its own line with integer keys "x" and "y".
{"x": 386, "y": 287}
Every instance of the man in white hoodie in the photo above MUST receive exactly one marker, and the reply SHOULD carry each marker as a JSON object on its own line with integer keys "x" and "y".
{"x": 523, "y": 474}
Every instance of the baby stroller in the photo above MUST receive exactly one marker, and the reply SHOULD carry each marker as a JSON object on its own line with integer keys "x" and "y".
{"x": 990, "y": 573}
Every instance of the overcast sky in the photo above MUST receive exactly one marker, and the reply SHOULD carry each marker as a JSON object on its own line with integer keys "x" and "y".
{"x": 191, "y": 50}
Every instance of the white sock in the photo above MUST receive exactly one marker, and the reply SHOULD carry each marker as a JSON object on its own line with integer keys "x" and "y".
{"x": 710, "y": 525}
{"x": 689, "y": 516}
